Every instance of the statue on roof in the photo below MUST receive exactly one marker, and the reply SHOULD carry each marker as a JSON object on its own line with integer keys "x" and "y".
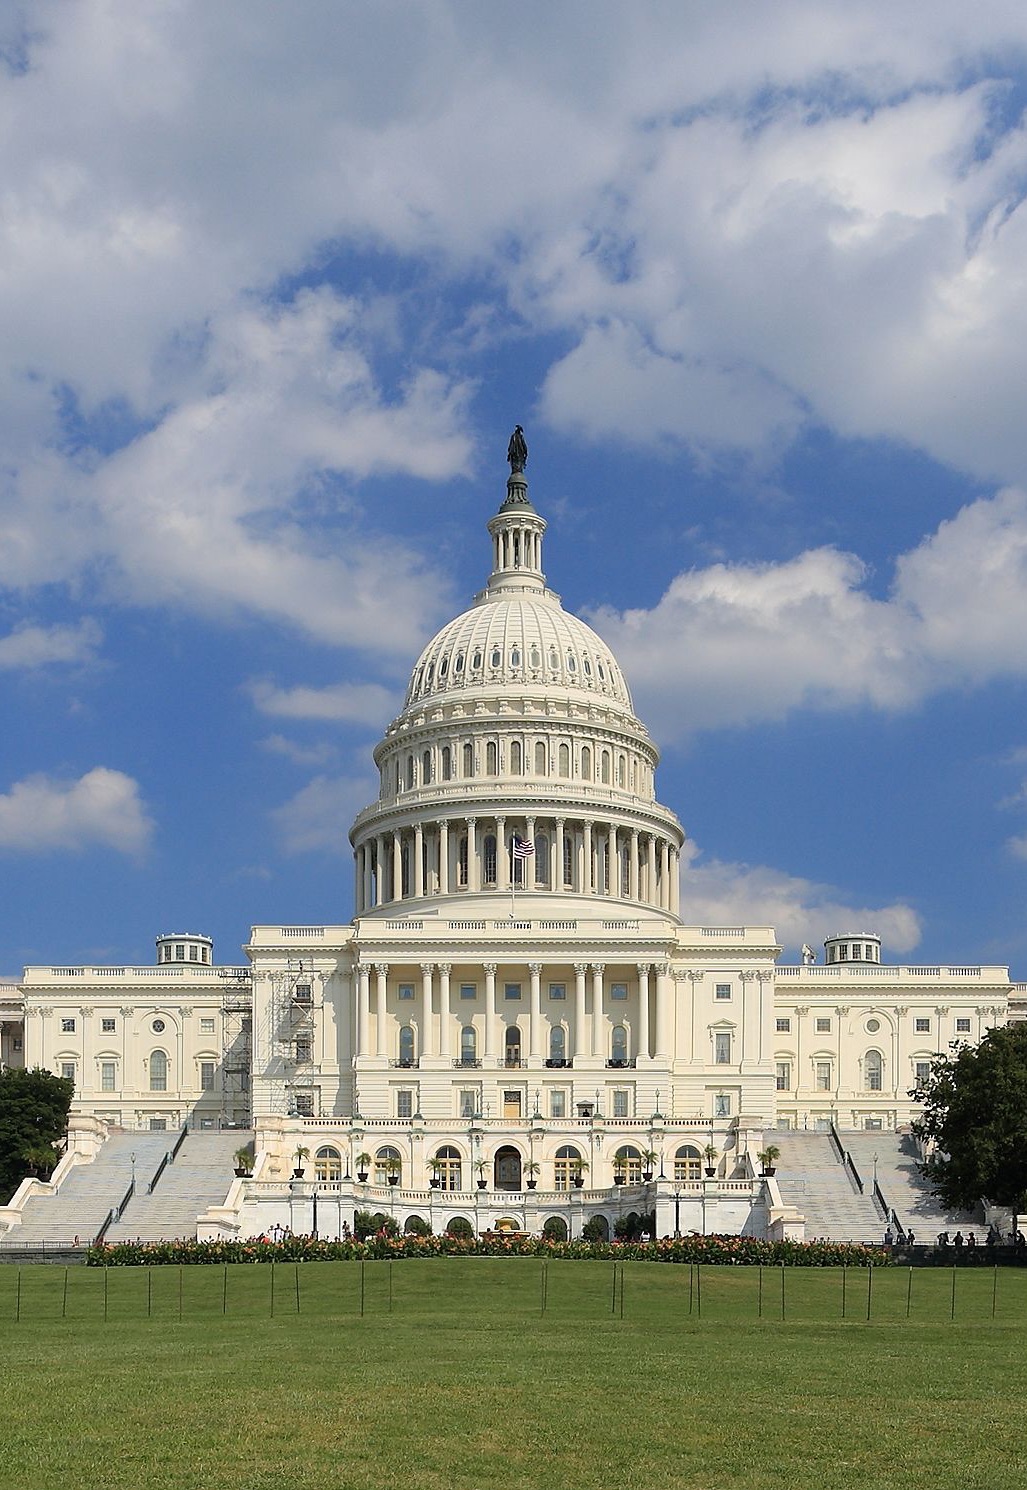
{"x": 517, "y": 450}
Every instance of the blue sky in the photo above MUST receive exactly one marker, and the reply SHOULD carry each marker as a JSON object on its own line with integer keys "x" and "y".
{"x": 276, "y": 283}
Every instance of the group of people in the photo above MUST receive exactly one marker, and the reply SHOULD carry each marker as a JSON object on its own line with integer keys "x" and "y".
{"x": 994, "y": 1238}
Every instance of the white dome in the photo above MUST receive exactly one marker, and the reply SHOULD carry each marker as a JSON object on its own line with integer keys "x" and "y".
{"x": 520, "y": 641}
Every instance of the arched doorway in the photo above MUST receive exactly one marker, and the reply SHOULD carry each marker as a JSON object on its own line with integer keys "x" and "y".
{"x": 555, "y": 1227}
{"x": 507, "y": 1169}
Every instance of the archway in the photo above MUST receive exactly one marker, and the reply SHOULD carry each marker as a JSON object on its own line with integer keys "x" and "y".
{"x": 507, "y": 1168}
{"x": 556, "y": 1228}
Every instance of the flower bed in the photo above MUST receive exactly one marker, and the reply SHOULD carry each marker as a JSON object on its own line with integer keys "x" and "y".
{"x": 724, "y": 1250}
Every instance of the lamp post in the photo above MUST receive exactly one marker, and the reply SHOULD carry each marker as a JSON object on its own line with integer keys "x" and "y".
{"x": 677, "y": 1213}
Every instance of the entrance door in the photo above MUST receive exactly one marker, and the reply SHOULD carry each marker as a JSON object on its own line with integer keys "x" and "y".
{"x": 511, "y": 1104}
{"x": 508, "y": 1169}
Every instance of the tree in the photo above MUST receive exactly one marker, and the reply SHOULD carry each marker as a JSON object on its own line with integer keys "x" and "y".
{"x": 33, "y": 1118}
{"x": 975, "y": 1121}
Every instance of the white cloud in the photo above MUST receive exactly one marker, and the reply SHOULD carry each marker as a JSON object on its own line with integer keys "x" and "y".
{"x": 1017, "y": 845}
{"x": 30, "y": 646}
{"x": 358, "y": 703}
{"x": 318, "y": 817}
{"x": 300, "y": 755}
{"x": 716, "y": 893}
{"x": 103, "y": 808}
{"x": 733, "y": 644}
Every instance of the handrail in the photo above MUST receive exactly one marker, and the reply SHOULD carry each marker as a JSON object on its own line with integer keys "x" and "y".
{"x": 158, "y": 1172}
{"x": 854, "y": 1173}
{"x": 839, "y": 1149}
{"x": 879, "y": 1197}
{"x": 105, "y": 1223}
{"x": 179, "y": 1142}
{"x": 126, "y": 1198}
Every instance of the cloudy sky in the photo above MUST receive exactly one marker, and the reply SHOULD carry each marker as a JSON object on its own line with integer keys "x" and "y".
{"x": 277, "y": 281}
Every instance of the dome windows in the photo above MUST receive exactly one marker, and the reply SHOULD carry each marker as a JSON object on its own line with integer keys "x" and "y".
{"x": 586, "y": 664}
{"x": 535, "y": 657}
{"x": 554, "y": 661}
{"x": 572, "y": 663}
{"x": 458, "y": 665}
{"x": 443, "y": 668}
{"x": 515, "y": 657}
{"x": 476, "y": 660}
{"x": 496, "y": 660}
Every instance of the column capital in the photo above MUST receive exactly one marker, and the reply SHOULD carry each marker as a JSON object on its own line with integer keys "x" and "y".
{"x": 695, "y": 975}
{"x": 644, "y": 969}
{"x": 490, "y": 968}
{"x": 382, "y": 969}
{"x": 445, "y": 968}
{"x": 598, "y": 967}
{"x": 535, "y": 969}
{"x": 581, "y": 968}
{"x": 746, "y": 975}
{"x": 427, "y": 967}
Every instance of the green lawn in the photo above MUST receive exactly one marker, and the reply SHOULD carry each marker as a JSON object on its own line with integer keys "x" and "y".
{"x": 466, "y": 1383}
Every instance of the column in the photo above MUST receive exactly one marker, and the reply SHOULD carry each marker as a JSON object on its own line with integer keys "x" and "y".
{"x": 643, "y": 1010}
{"x": 580, "y": 969}
{"x": 611, "y": 860}
{"x": 368, "y": 877}
{"x": 598, "y": 969}
{"x": 445, "y": 1024}
{"x": 633, "y": 866}
{"x": 418, "y": 861}
{"x": 397, "y": 867}
{"x": 381, "y": 970}
{"x": 502, "y": 856}
{"x": 527, "y": 865}
{"x": 428, "y": 1032}
{"x": 535, "y": 1022}
{"x": 473, "y": 868}
{"x": 664, "y": 875}
{"x": 558, "y": 867}
{"x": 588, "y": 883}
{"x": 650, "y": 893}
{"x": 443, "y": 857}
{"x": 675, "y": 882}
{"x": 490, "y": 1011}
{"x": 363, "y": 1007}
{"x": 379, "y": 879}
{"x": 663, "y": 997}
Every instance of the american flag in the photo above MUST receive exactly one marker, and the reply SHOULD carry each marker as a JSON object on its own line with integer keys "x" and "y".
{"x": 523, "y": 848}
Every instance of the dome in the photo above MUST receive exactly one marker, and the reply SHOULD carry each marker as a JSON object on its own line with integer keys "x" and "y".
{"x": 519, "y": 641}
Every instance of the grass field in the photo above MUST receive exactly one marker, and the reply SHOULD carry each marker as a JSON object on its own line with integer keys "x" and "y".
{"x": 466, "y": 1382}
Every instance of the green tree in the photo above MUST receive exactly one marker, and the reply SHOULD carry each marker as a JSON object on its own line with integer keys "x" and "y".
{"x": 975, "y": 1121}
{"x": 33, "y": 1117}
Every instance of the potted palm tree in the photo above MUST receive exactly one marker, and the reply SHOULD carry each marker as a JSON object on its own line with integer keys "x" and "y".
{"x": 531, "y": 1172}
{"x": 483, "y": 1169}
{"x": 243, "y": 1162}
{"x": 649, "y": 1158}
{"x": 710, "y": 1152}
{"x": 620, "y": 1169}
{"x": 435, "y": 1170}
{"x": 768, "y": 1158}
{"x": 300, "y": 1155}
{"x": 393, "y": 1172}
{"x": 577, "y": 1168}
{"x": 363, "y": 1162}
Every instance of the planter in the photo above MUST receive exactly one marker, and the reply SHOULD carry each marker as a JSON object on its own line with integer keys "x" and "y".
{"x": 362, "y": 1176}
{"x": 393, "y": 1179}
{"x": 578, "y": 1181}
{"x": 618, "y": 1179}
{"x": 243, "y": 1174}
{"x": 531, "y": 1184}
{"x": 711, "y": 1174}
{"x": 434, "y": 1184}
{"x": 647, "y": 1177}
{"x": 298, "y": 1174}
{"x": 482, "y": 1184}
{"x": 767, "y": 1174}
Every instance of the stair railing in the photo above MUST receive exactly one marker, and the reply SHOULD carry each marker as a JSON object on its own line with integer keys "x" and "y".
{"x": 178, "y": 1143}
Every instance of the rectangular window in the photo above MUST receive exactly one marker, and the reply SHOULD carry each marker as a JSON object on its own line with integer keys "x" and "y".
{"x": 406, "y": 990}
{"x": 207, "y": 1026}
{"x": 784, "y": 1026}
{"x": 620, "y": 1104}
{"x": 206, "y": 1076}
{"x": 721, "y": 1105}
{"x": 962, "y": 1026}
{"x": 404, "y": 1104}
{"x": 923, "y": 1072}
{"x": 722, "y": 1048}
{"x": 158, "y": 1125}
{"x": 108, "y": 1076}
{"x": 823, "y": 1025}
{"x": 723, "y": 992}
{"x": 468, "y": 1103}
{"x": 303, "y": 993}
{"x": 823, "y": 1076}
{"x": 558, "y": 990}
{"x": 67, "y": 1026}
{"x": 618, "y": 991}
{"x": 68, "y": 1070}
{"x": 304, "y": 1048}
{"x": 468, "y": 991}
{"x": 512, "y": 991}
{"x": 108, "y": 1026}
{"x": 783, "y": 1076}
{"x": 857, "y": 951}
{"x": 922, "y": 1026}
{"x": 304, "y": 1104}
{"x": 179, "y": 952}
{"x": 194, "y": 954}
{"x": 557, "y": 1104}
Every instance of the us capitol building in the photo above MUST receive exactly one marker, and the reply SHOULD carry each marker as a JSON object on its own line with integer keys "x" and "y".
{"x": 519, "y": 1025}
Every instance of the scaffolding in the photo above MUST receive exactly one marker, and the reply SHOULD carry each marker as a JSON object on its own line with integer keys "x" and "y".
{"x": 237, "y": 1044}
{"x": 296, "y": 998}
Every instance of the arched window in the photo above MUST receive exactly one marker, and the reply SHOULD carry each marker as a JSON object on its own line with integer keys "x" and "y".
{"x": 492, "y": 759}
{"x": 512, "y": 1046}
{"x": 447, "y": 763}
{"x": 404, "y": 867}
{"x": 387, "y": 1162}
{"x": 541, "y": 760}
{"x": 687, "y": 1164}
{"x": 468, "y": 1046}
{"x": 461, "y": 861}
{"x": 568, "y": 859}
{"x": 586, "y": 763}
{"x": 328, "y": 1164}
{"x": 625, "y": 871}
{"x": 406, "y": 1045}
{"x": 554, "y": 661}
{"x": 628, "y": 1162}
{"x": 572, "y": 663}
{"x": 516, "y": 758}
{"x": 496, "y": 659}
{"x": 619, "y": 1044}
{"x": 535, "y": 657}
{"x": 515, "y": 657}
{"x": 622, "y": 771}
{"x": 158, "y": 1071}
{"x": 447, "y": 1167}
{"x": 458, "y": 665}
{"x": 443, "y": 668}
{"x": 564, "y": 760}
{"x": 476, "y": 661}
{"x": 426, "y": 774}
{"x": 557, "y": 1043}
{"x": 410, "y": 773}
{"x": 873, "y": 1071}
{"x": 606, "y": 767}
{"x": 542, "y": 858}
{"x": 566, "y": 1165}
{"x": 468, "y": 759}
{"x": 490, "y": 859}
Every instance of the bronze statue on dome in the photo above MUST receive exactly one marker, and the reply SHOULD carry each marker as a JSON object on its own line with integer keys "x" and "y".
{"x": 517, "y": 451}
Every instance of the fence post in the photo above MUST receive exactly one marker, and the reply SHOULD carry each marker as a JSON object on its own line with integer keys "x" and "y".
{"x": 994, "y": 1290}
{"x": 782, "y": 1290}
{"x": 870, "y": 1291}
{"x": 361, "y": 1288}
{"x": 952, "y": 1310}
{"x": 17, "y": 1305}
{"x": 64, "y": 1300}
{"x": 272, "y": 1288}
{"x": 845, "y": 1275}
{"x": 224, "y": 1291}
{"x": 909, "y": 1292}
{"x": 759, "y": 1311}
{"x": 297, "y": 1267}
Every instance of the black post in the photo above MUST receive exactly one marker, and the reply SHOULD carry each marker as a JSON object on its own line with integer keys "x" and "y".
{"x": 149, "y": 1290}
{"x": 180, "y": 1290}
{"x": 759, "y": 1312}
{"x": 17, "y": 1305}
{"x": 64, "y": 1301}
{"x": 909, "y": 1292}
{"x": 272, "y": 1288}
{"x": 845, "y": 1274}
{"x": 994, "y": 1290}
{"x": 297, "y": 1267}
{"x": 870, "y": 1291}
{"x": 390, "y": 1285}
{"x": 105, "y": 1272}
{"x": 224, "y": 1291}
{"x": 952, "y": 1311}
{"x": 782, "y": 1290}
{"x": 361, "y": 1288}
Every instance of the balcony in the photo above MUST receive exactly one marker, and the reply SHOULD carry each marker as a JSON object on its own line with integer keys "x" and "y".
{"x": 559, "y": 1065}
{"x": 625, "y": 1064}
{"x": 466, "y": 1063}
{"x": 406, "y": 1063}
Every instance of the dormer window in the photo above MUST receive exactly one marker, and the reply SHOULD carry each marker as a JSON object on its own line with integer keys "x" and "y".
{"x": 458, "y": 665}
{"x": 497, "y": 657}
{"x": 572, "y": 663}
{"x": 443, "y": 668}
{"x": 476, "y": 661}
{"x": 536, "y": 657}
{"x": 515, "y": 657}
